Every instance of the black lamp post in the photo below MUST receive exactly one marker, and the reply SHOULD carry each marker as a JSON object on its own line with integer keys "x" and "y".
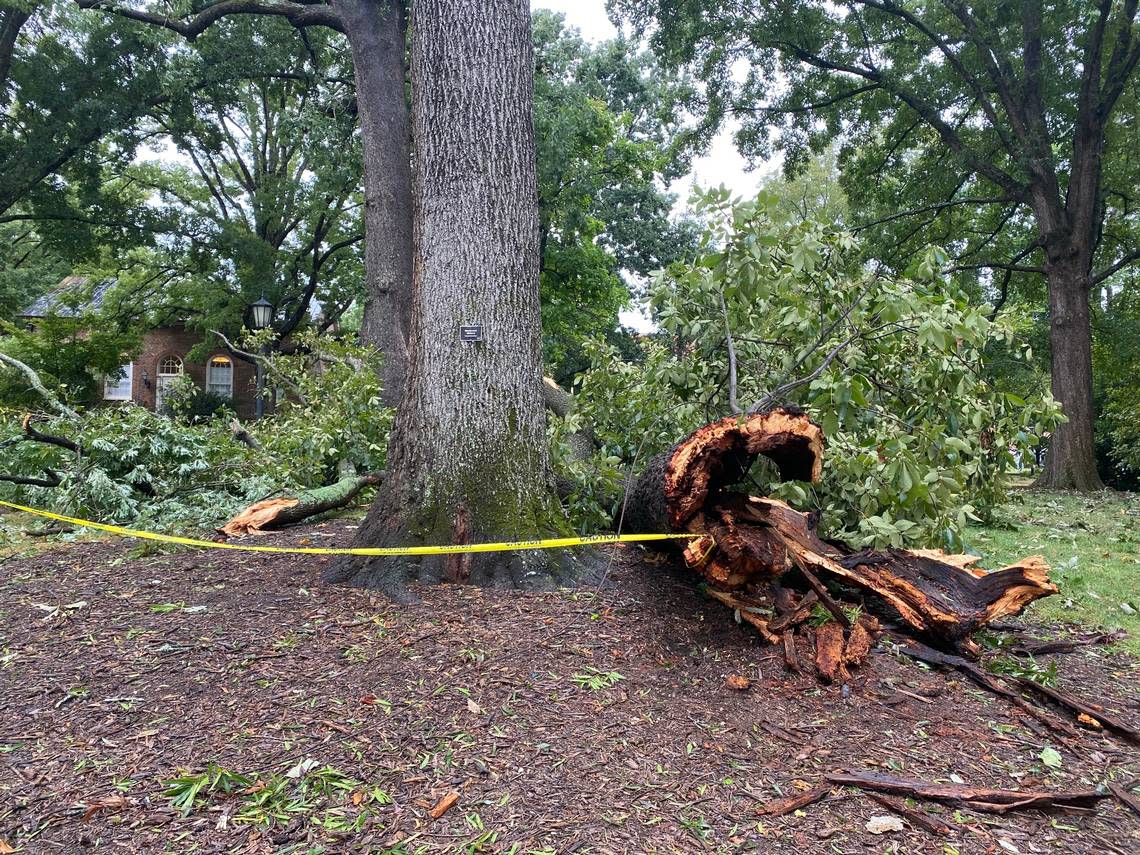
{"x": 260, "y": 316}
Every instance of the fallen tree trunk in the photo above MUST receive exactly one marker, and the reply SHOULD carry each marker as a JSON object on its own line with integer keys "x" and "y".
{"x": 753, "y": 543}
{"x": 289, "y": 510}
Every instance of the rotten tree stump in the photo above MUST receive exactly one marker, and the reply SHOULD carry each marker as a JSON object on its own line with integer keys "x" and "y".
{"x": 755, "y": 549}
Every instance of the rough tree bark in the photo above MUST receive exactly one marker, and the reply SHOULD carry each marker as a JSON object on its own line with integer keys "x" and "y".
{"x": 467, "y": 455}
{"x": 1070, "y": 463}
{"x": 376, "y": 35}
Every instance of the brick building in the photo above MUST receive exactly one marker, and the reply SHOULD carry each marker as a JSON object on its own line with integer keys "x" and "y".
{"x": 162, "y": 358}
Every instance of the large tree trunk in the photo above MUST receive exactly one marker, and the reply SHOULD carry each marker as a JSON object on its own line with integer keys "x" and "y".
{"x": 1070, "y": 462}
{"x": 376, "y": 33}
{"x": 467, "y": 456}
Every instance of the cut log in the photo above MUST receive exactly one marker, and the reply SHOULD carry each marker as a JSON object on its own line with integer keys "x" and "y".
{"x": 289, "y": 510}
{"x": 753, "y": 541}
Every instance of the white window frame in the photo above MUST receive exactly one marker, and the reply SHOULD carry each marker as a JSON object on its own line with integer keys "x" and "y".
{"x": 125, "y": 377}
{"x": 211, "y": 385}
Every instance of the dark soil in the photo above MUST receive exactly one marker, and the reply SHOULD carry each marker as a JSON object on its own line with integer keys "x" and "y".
{"x": 119, "y": 673}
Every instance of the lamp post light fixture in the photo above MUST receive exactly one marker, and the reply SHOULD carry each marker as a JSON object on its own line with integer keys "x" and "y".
{"x": 260, "y": 316}
{"x": 261, "y": 313}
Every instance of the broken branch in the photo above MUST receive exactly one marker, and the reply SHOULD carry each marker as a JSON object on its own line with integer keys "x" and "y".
{"x": 977, "y": 798}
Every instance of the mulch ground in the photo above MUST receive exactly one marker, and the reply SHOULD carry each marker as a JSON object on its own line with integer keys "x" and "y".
{"x": 118, "y": 674}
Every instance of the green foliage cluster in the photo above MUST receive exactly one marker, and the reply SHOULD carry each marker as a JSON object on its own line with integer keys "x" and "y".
{"x": 186, "y": 400}
{"x": 176, "y": 473}
{"x": 919, "y": 441}
{"x": 324, "y": 796}
{"x": 71, "y": 354}
{"x": 136, "y": 467}
{"x": 1116, "y": 361}
{"x": 611, "y": 128}
{"x": 330, "y": 411}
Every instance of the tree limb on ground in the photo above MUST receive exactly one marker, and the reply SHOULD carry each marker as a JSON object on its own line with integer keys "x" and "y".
{"x": 976, "y": 798}
{"x": 289, "y": 510}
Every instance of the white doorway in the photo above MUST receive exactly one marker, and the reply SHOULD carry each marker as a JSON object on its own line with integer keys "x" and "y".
{"x": 169, "y": 370}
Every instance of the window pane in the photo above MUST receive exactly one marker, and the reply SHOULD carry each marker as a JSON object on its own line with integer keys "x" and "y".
{"x": 220, "y": 377}
{"x": 170, "y": 365}
{"x": 117, "y": 387}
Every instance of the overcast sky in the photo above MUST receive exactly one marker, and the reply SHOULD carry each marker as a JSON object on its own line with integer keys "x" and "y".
{"x": 722, "y": 164}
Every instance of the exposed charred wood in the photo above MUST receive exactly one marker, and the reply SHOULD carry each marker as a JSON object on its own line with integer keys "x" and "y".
{"x": 825, "y": 598}
{"x": 802, "y": 612}
{"x": 791, "y": 657}
{"x": 858, "y": 646}
{"x": 977, "y": 798}
{"x": 829, "y": 648}
{"x": 284, "y": 511}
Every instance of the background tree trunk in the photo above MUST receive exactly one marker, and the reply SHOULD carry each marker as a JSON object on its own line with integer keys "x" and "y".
{"x": 1070, "y": 462}
{"x": 467, "y": 456}
{"x": 376, "y": 33}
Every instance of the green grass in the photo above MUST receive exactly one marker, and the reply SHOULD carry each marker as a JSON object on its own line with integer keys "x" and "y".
{"x": 1092, "y": 541}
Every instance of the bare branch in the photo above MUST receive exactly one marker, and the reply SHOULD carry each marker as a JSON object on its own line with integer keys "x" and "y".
{"x": 733, "y": 407}
{"x": 937, "y": 206}
{"x": 52, "y": 481}
{"x": 1115, "y": 267}
{"x": 53, "y": 402}
{"x": 300, "y": 15}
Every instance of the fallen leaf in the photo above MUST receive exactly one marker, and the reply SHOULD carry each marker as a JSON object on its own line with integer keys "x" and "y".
{"x": 735, "y": 681}
{"x": 1050, "y": 757}
{"x": 444, "y": 805}
{"x": 303, "y": 768}
{"x": 883, "y": 823}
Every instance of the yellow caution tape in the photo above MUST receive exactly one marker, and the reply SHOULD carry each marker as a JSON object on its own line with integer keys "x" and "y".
{"x": 547, "y": 543}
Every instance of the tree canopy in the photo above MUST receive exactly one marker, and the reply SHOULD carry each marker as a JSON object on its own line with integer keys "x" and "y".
{"x": 1005, "y": 133}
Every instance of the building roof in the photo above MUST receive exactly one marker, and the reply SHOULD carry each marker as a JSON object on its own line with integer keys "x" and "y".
{"x": 54, "y": 302}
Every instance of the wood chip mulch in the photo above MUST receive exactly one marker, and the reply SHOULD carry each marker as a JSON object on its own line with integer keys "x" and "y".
{"x": 635, "y": 719}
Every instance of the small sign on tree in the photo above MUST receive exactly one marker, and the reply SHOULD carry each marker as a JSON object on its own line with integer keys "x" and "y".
{"x": 471, "y": 332}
